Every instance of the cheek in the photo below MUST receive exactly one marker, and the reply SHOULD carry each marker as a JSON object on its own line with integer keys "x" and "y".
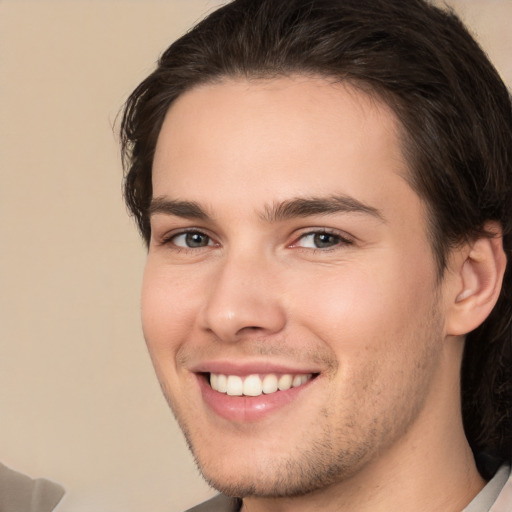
{"x": 168, "y": 306}
{"x": 385, "y": 335}
{"x": 376, "y": 308}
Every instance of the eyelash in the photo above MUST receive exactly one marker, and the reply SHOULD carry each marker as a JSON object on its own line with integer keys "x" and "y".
{"x": 340, "y": 240}
{"x": 171, "y": 238}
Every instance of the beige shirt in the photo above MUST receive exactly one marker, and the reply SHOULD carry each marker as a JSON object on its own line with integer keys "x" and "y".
{"x": 20, "y": 493}
{"x": 496, "y": 496}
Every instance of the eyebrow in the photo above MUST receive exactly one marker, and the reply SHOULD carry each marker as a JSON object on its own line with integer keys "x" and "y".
{"x": 186, "y": 209}
{"x": 307, "y": 206}
{"x": 278, "y": 211}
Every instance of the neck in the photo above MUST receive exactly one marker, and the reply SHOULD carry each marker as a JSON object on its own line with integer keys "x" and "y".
{"x": 430, "y": 482}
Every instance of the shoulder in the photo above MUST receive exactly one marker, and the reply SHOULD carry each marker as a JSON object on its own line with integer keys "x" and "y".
{"x": 503, "y": 502}
{"x": 219, "y": 503}
{"x": 20, "y": 493}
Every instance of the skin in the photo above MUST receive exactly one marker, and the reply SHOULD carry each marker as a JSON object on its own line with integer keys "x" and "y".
{"x": 380, "y": 425}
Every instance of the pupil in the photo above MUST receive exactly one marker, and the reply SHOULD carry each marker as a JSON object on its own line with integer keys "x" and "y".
{"x": 196, "y": 240}
{"x": 324, "y": 240}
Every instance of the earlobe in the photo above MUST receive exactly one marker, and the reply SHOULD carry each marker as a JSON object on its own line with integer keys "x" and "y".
{"x": 479, "y": 278}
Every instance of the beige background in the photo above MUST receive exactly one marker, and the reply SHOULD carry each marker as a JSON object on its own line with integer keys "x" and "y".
{"x": 78, "y": 399}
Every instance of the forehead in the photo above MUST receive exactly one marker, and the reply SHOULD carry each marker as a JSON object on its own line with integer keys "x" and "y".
{"x": 289, "y": 136}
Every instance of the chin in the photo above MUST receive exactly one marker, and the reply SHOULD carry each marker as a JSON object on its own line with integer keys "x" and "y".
{"x": 270, "y": 474}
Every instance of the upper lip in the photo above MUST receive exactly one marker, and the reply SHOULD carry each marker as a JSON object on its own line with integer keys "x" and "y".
{"x": 251, "y": 368}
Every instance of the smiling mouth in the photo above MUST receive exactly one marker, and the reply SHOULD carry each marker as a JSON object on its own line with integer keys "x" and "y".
{"x": 256, "y": 385}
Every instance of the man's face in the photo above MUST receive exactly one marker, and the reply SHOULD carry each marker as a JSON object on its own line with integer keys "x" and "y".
{"x": 287, "y": 246}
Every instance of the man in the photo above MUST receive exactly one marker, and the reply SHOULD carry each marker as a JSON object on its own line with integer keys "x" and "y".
{"x": 325, "y": 190}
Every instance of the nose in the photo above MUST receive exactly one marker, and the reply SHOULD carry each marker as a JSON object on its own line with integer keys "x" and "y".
{"x": 243, "y": 299}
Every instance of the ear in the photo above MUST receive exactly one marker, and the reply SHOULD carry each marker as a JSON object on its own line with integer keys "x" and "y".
{"x": 477, "y": 274}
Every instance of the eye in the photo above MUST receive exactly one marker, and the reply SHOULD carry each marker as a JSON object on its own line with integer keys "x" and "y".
{"x": 191, "y": 240}
{"x": 320, "y": 240}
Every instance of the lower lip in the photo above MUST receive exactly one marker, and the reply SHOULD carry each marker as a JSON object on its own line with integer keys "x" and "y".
{"x": 245, "y": 409}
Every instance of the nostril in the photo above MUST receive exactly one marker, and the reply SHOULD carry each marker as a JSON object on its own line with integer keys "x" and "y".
{"x": 250, "y": 328}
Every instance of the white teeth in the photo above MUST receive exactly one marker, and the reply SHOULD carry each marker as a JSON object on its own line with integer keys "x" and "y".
{"x": 254, "y": 385}
{"x": 235, "y": 386}
{"x": 269, "y": 384}
{"x": 222, "y": 383}
{"x": 297, "y": 381}
{"x": 285, "y": 382}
